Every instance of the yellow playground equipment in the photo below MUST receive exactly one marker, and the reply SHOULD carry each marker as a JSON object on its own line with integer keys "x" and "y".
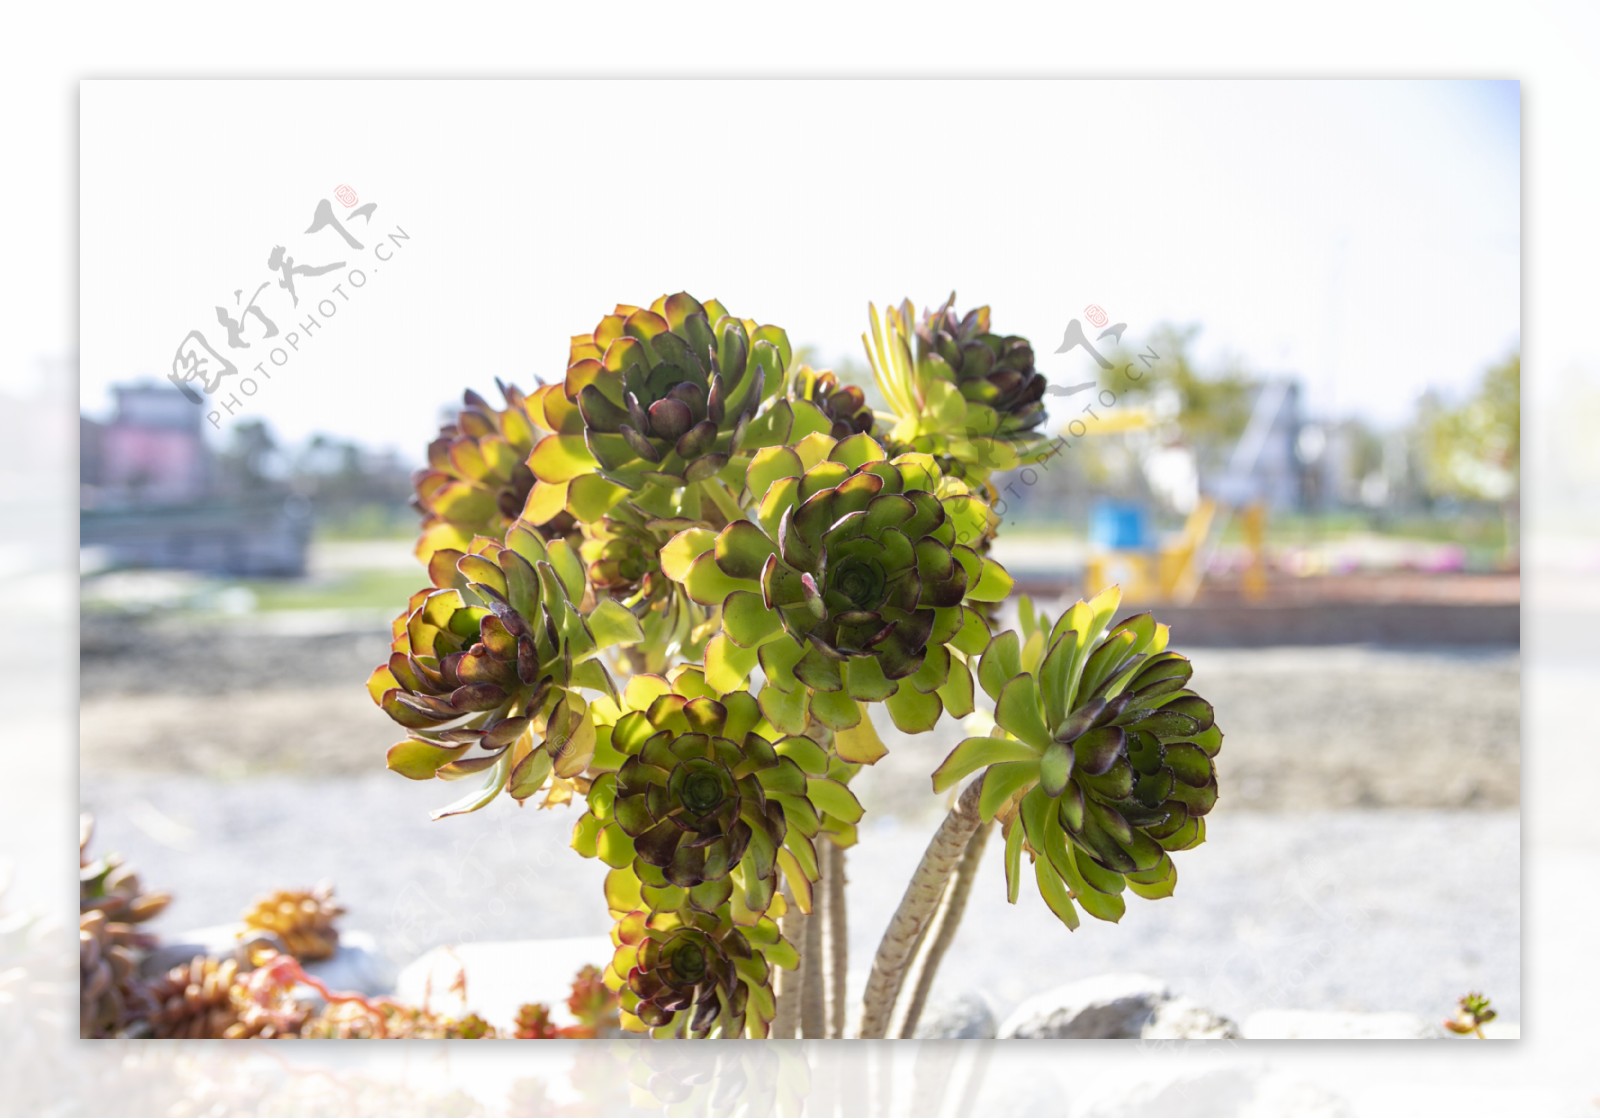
{"x": 1173, "y": 569}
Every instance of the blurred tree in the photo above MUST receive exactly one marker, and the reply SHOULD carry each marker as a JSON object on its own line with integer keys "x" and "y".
{"x": 1181, "y": 405}
{"x": 1473, "y": 451}
{"x": 249, "y": 463}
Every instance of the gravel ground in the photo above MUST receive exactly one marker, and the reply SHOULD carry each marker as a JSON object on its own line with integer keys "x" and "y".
{"x": 1307, "y": 728}
{"x": 1399, "y": 910}
{"x": 1364, "y": 856}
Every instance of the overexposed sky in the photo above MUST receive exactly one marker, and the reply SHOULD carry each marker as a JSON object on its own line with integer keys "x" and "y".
{"x": 1364, "y": 235}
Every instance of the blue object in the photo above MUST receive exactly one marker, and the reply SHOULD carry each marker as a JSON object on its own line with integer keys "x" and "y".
{"x": 1119, "y": 526}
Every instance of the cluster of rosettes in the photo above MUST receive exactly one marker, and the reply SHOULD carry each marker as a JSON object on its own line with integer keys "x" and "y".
{"x": 698, "y": 805}
{"x": 1103, "y": 760}
{"x": 487, "y": 663}
{"x": 854, "y": 583}
{"x": 960, "y": 392}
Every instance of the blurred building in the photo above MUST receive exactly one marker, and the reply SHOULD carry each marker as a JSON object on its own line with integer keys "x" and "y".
{"x": 151, "y": 452}
{"x": 153, "y": 495}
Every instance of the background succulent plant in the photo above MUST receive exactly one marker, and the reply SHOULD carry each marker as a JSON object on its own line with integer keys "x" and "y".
{"x": 304, "y": 923}
{"x": 112, "y": 905}
{"x": 845, "y": 405}
{"x": 1102, "y": 764}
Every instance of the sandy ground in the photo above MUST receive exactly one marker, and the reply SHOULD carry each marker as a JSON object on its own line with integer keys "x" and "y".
{"x": 1306, "y": 728}
{"x": 1365, "y": 854}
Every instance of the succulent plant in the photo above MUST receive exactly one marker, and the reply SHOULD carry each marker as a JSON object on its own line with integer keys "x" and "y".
{"x": 301, "y": 921}
{"x": 690, "y": 973}
{"x": 206, "y": 998}
{"x": 660, "y": 395}
{"x": 112, "y": 887}
{"x": 1473, "y": 1012}
{"x": 844, "y": 405}
{"x": 113, "y": 1001}
{"x": 625, "y": 563}
{"x": 492, "y": 656}
{"x": 477, "y": 480}
{"x": 703, "y": 801}
{"x": 1103, "y": 760}
{"x": 970, "y": 397}
{"x": 112, "y": 904}
{"x": 591, "y": 1002}
{"x": 854, "y": 586}
{"x": 702, "y": 509}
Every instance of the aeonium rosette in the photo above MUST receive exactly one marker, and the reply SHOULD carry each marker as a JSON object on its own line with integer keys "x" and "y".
{"x": 694, "y": 973}
{"x": 854, "y": 583}
{"x": 1102, "y": 759}
{"x": 663, "y": 405}
{"x": 488, "y": 663}
{"x": 702, "y": 802}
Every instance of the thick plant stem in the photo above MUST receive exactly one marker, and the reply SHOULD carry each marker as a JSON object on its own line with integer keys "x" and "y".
{"x": 917, "y": 907}
{"x": 833, "y": 882}
{"x": 786, "y": 1021}
{"x": 813, "y": 992}
{"x": 944, "y": 928}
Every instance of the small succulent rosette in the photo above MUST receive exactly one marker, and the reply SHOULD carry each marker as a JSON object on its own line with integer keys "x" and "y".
{"x": 487, "y": 664}
{"x": 968, "y": 396}
{"x": 624, "y": 563}
{"x": 692, "y": 973}
{"x": 845, "y": 405}
{"x": 1101, "y": 761}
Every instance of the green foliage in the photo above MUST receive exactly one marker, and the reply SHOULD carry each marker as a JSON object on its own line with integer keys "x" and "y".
{"x": 968, "y": 396}
{"x": 1104, "y": 761}
{"x": 1474, "y": 451}
{"x": 762, "y": 558}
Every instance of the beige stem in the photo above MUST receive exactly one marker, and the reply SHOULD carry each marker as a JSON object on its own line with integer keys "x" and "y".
{"x": 786, "y": 1021}
{"x": 834, "y": 882}
{"x": 813, "y": 994}
{"x": 916, "y": 909}
{"x": 944, "y": 929}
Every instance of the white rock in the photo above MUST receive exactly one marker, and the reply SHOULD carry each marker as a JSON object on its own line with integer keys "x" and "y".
{"x": 961, "y": 1016}
{"x": 357, "y": 965}
{"x": 1183, "y": 1018}
{"x": 1331, "y": 1025}
{"x": 1105, "y": 1006}
{"x": 501, "y": 975}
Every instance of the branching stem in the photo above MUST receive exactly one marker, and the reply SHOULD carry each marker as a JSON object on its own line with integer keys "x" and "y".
{"x": 946, "y": 923}
{"x": 916, "y": 909}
